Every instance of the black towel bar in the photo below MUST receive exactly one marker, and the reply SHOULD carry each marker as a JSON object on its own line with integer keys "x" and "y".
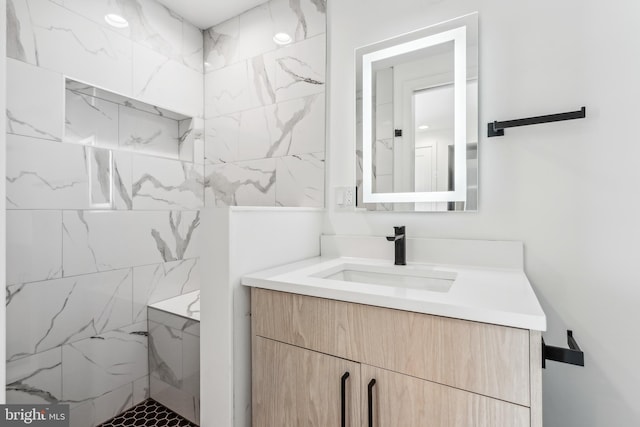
{"x": 572, "y": 355}
{"x": 497, "y": 128}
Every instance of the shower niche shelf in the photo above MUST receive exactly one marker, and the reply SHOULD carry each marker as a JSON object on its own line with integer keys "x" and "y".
{"x": 99, "y": 118}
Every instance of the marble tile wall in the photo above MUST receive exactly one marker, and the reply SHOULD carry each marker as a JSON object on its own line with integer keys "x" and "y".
{"x": 103, "y": 195}
{"x": 265, "y": 107}
{"x": 71, "y": 37}
{"x": 174, "y": 362}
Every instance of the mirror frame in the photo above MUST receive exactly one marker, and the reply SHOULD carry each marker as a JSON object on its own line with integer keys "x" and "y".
{"x": 457, "y": 34}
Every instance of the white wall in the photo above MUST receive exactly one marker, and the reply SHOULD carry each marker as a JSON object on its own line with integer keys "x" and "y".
{"x": 246, "y": 240}
{"x": 568, "y": 190}
{"x": 3, "y": 81}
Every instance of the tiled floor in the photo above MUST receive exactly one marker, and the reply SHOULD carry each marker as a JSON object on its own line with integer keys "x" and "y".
{"x": 148, "y": 414}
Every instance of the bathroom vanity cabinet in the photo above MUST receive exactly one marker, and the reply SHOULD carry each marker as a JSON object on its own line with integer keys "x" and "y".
{"x": 428, "y": 370}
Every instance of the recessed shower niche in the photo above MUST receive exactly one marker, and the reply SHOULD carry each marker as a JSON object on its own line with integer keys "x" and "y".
{"x": 128, "y": 141}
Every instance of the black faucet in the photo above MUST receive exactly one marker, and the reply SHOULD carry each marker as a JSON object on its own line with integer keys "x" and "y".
{"x": 400, "y": 242}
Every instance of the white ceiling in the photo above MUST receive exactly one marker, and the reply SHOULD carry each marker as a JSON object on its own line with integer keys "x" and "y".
{"x": 207, "y": 13}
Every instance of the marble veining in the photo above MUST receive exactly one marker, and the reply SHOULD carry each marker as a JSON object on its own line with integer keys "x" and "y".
{"x": 181, "y": 243}
{"x": 34, "y": 104}
{"x": 155, "y": 283}
{"x": 35, "y": 179}
{"x": 300, "y": 180}
{"x": 174, "y": 353}
{"x": 90, "y": 120}
{"x": 111, "y": 360}
{"x": 165, "y": 349}
{"x": 185, "y": 305}
{"x": 161, "y": 183}
{"x": 249, "y": 35}
{"x": 91, "y": 239}
{"x": 35, "y": 379}
{"x": 67, "y": 309}
{"x": 239, "y": 184}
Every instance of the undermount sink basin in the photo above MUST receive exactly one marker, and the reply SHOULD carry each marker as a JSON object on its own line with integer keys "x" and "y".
{"x": 427, "y": 279}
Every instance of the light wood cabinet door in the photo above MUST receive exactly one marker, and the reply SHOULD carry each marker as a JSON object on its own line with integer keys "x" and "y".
{"x": 402, "y": 400}
{"x": 295, "y": 387}
{"x": 483, "y": 358}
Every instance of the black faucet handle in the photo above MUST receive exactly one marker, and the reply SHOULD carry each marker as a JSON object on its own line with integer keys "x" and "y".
{"x": 399, "y": 229}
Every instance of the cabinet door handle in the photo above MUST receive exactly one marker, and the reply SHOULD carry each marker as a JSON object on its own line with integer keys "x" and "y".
{"x": 343, "y": 399}
{"x": 370, "y": 400}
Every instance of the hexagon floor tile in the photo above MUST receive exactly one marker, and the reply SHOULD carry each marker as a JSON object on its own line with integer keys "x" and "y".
{"x": 148, "y": 414}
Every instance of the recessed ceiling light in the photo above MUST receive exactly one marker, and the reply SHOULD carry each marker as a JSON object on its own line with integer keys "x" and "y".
{"x": 282, "y": 39}
{"x": 116, "y": 20}
{"x": 423, "y": 127}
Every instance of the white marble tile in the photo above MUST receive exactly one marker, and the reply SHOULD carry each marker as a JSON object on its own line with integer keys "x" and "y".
{"x": 35, "y": 104}
{"x": 250, "y": 34}
{"x": 155, "y": 26}
{"x": 243, "y": 37}
{"x": 140, "y": 390}
{"x": 34, "y": 242}
{"x": 384, "y": 157}
{"x": 221, "y": 139}
{"x": 220, "y": 44}
{"x": 186, "y": 305}
{"x": 98, "y": 410}
{"x": 104, "y": 363}
{"x": 254, "y": 137}
{"x": 90, "y": 120}
{"x": 191, "y": 364}
{"x": 300, "y": 180}
{"x": 150, "y": 23}
{"x": 66, "y": 310}
{"x": 154, "y": 283}
{"x": 166, "y": 184}
{"x": 192, "y": 328}
{"x": 122, "y": 180}
{"x": 300, "y": 68}
{"x": 175, "y": 399}
{"x": 36, "y": 178}
{"x": 95, "y": 10}
{"x": 166, "y": 83}
{"x": 85, "y": 89}
{"x": 99, "y": 241}
{"x": 165, "y": 354}
{"x": 301, "y": 19}
{"x": 20, "y": 41}
{"x": 261, "y": 80}
{"x": 147, "y": 133}
{"x": 297, "y": 126}
{"x": 226, "y": 90}
{"x": 249, "y": 183}
{"x": 35, "y": 379}
{"x": 174, "y": 321}
{"x": 192, "y": 47}
{"x": 290, "y": 127}
{"x": 100, "y": 172}
{"x": 255, "y": 30}
{"x": 190, "y": 148}
{"x": 73, "y": 45}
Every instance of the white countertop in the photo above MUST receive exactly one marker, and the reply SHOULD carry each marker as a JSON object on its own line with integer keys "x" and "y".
{"x": 501, "y": 296}
{"x": 187, "y": 305}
